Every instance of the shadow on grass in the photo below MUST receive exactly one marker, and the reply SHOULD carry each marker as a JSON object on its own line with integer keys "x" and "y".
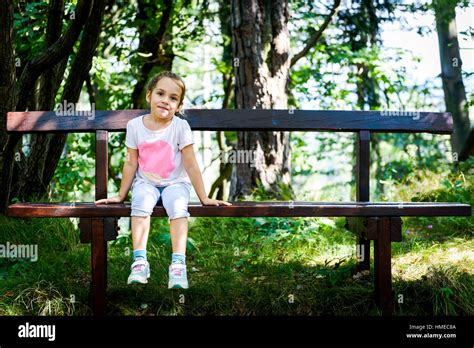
{"x": 264, "y": 289}
{"x": 221, "y": 284}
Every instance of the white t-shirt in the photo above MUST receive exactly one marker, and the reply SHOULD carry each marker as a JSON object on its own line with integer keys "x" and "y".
{"x": 159, "y": 152}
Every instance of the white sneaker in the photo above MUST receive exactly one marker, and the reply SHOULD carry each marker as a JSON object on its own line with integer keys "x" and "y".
{"x": 177, "y": 277}
{"x": 140, "y": 272}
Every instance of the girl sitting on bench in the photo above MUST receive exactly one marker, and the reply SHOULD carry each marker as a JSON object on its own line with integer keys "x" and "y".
{"x": 161, "y": 162}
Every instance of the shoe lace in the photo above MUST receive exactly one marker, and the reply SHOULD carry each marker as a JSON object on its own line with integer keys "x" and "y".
{"x": 177, "y": 272}
{"x": 138, "y": 268}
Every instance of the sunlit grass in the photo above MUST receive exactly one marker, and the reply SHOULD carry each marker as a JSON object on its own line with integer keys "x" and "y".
{"x": 458, "y": 253}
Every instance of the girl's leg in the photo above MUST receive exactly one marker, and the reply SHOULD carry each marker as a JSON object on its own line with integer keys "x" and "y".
{"x": 144, "y": 198}
{"x": 140, "y": 269}
{"x": 140, "y": 231}
{"x": 179, "y": 234}
{"x": 175, "y": 200}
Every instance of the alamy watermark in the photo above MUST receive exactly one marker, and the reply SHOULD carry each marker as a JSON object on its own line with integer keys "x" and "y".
{"x": 73, "y": 109}
{"x": 239, "y": 156}
{"x": 348, "y": 251}
{"x": 19, "y": 251}
{"x": 400, "y": 113}
{"x": 37, "y": 331}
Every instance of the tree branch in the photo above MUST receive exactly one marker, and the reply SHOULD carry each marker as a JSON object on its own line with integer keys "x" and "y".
{"x": 83, "y": 62}
{"x": 150, "y": 42}
{"x": 225, "y": 175}
{"x": 53, "y": 54}
{"x": 78, "y": 74}
{"x": 50, "y": 80}
{"x": 315, "y": 38}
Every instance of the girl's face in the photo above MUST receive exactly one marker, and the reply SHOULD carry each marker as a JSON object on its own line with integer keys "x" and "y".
{"x": 164, "y": 99}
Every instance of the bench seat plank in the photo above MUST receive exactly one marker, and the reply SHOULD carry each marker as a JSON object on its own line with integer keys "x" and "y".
{"x": 249, "y": 209}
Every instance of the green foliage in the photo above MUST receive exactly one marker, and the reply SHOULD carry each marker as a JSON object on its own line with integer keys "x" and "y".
{"x": 261, "y": 193}
{"x": 300, "y": 156}
{"x": 75, "y": 172}
{"x": 457, "y": 186}
{"x": 28, "y": 24}
{"x": 419, "y": 151}
{"x": 449, "y": 192}
{"x": 13, "y": 268}
{"x": 164, "y": 239}
{"x": 224, "y": 67}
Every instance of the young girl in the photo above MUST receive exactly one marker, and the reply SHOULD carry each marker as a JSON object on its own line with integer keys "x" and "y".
{"x": 161, "y": 162}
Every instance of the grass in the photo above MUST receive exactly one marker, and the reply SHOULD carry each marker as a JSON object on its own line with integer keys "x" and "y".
{"x": 244, "y": 266}
{"x": 236, "y": 267}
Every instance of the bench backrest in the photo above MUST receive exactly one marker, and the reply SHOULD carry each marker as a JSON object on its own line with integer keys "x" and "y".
{"x": 250, "y": 120}
{"x": 361, "y": 122}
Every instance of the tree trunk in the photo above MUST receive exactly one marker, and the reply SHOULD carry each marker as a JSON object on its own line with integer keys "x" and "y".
{"x": 46, "y": 149}
{"x": 30, "y": 169}
{"x": 462, "y": 140}
{"x": 7, "y": 100}
{"x": 11, "y": 145}
{"x": 261, "y": 66}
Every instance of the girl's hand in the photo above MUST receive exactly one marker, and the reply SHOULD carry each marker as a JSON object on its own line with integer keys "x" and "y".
{"x": 210, "y": 201}
{"x": 116, "y": 199}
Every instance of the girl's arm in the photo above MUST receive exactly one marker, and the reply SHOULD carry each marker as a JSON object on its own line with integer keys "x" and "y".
{"x": 128, "y": 173}
{"x": 194, "y": 173}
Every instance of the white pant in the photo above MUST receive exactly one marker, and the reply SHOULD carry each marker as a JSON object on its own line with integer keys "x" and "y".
{"x": 175, "y": 199}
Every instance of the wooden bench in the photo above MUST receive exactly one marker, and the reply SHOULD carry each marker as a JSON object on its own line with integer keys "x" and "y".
{"x": 382, "y": 221}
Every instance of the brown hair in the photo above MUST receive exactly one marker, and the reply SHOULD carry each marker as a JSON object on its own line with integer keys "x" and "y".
{"x": 176, "y": 78}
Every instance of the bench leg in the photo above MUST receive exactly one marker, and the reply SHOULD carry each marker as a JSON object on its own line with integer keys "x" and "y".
{"x": 99, "y": 267}
{"x": 383, "y": 266}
